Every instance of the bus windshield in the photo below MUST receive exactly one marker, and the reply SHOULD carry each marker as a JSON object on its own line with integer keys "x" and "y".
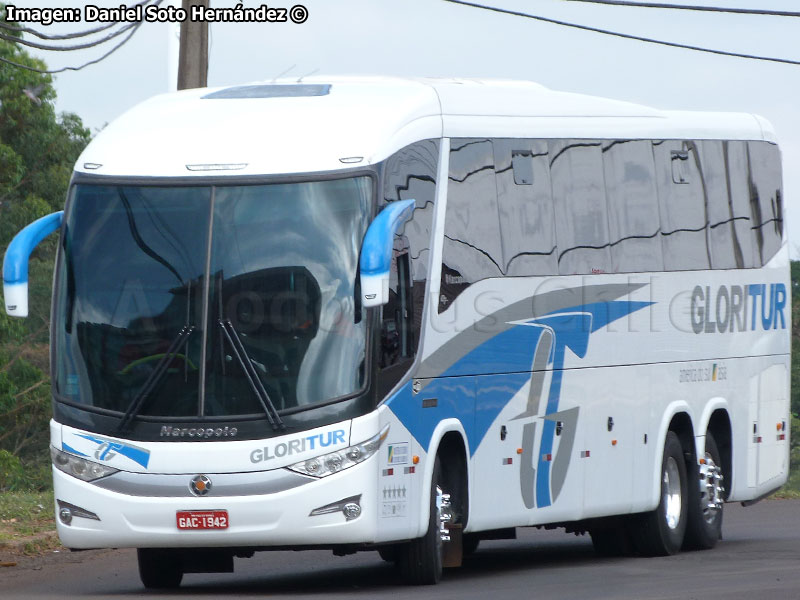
{"x": 211, "y": 301}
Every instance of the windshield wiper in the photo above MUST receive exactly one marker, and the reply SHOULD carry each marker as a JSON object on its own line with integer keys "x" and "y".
{"x": 252, "y": 376}
{"x": 155, "y": 376}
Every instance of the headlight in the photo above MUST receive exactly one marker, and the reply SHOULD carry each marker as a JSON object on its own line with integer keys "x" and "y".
{"x": 333, "y": 462}
{"x": 79, "y": 467}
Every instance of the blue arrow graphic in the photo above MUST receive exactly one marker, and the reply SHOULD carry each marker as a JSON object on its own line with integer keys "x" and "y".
{"x": 571, "y": 329}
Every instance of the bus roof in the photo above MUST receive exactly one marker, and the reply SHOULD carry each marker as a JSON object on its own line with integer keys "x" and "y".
{"x": 331, "y": 123}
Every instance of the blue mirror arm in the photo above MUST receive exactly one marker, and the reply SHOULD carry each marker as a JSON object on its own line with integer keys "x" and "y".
{"x": 376, "y": 251}
{"x": 15, "y": 263}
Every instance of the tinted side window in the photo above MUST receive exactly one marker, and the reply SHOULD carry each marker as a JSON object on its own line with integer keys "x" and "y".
{"x": 721, "y": 240}
{"x": 682, "y": 205}
{"x": 411, "y": 174}
{"x": 737, "y": 169}
{"x": 633, "y": 217}
{"x": 471, "y": 250}
{"x": 766, "y": 197}
{"x": 576, "y": 172}
{"x": 526, "y": 207}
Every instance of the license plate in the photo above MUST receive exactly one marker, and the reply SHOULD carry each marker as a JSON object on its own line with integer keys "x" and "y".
{"x": 202, "y": 519}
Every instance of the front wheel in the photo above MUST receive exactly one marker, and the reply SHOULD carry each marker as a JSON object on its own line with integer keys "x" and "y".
{"x": 706, "y": 492}
{"x": 420, "y": 561}
{"x": 159, "y": 568}
{"x": 469, "y": 544}
{"x": 661, "y": 532}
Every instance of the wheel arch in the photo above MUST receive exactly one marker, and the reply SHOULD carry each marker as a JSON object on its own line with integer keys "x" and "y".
{"x": 718, "y": 424}
{"x": 449, "y": 438}
{"x": 677, "y": 417}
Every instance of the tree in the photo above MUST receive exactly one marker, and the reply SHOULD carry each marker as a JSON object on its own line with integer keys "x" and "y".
{"x": 795, "y": 380}
{"x": 37, "y": 152}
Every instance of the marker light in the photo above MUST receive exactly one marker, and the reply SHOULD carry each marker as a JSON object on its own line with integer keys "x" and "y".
{"x": 81, "y": 468}
{"x": 333, "y": 462}
{"x": 217, "y": 167}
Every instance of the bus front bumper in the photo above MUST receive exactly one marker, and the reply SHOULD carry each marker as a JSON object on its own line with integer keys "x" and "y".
{"x": 127, "y": 517}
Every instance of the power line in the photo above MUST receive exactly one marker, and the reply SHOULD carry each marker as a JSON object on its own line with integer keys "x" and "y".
{"x": 740, "y": 11}
{"x": 83, "y": 46}
{"x": 66, "y": 36}
{"x": 83, "y": 66}
{"x": 63, "y": 36}
{"x": 623, "y": 35}
{"x": 131, "y": 27}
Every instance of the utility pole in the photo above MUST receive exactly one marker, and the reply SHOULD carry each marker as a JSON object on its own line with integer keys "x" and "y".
{"x": 193, "y": 52}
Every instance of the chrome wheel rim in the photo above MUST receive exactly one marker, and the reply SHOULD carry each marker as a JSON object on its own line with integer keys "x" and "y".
{"x": 711, "y": 489}
{"x": 444, "y": 515}
{"x": 672, "y": 493}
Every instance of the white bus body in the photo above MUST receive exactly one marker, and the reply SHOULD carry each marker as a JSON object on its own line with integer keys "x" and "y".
{"x": 584, "y": 296}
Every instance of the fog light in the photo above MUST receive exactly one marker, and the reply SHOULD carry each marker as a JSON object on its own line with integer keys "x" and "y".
{"x": 65, "y": 515}
{"x": 349, "y": 507}
{"x": 67, "y": 511}
{"x": 351, "y": 511}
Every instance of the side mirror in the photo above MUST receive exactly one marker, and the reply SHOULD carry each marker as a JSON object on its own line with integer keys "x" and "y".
{"x": 15, "y": 264}
{"x": 376, "y": 252}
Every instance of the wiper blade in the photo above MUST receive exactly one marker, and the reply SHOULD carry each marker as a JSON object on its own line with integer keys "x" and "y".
{"x": 155, "y": 376}
{"x": 252, "y": 376}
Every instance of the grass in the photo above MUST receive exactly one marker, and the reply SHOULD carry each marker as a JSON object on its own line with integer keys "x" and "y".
{"x": 792, "y": 487}
{"x": 25, "y": 514}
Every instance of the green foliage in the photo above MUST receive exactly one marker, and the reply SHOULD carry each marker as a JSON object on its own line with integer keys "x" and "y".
{"x": 795, "y": 452}
{"x": 795, "y": 394}
{"x": 38, "y": 150}
{"x": 794, "y": 434}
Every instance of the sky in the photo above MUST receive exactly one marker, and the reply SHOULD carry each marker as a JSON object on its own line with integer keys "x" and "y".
{"x": 437, "y": 38}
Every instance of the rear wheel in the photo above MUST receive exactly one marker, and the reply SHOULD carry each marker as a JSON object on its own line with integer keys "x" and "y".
{"x": 706, "y": 492}
{"x": 420, "y": 561}
{"x": 661, "y": 532}
{"x": 159, "y": 568}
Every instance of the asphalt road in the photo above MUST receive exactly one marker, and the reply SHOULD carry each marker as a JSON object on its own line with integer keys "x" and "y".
{"x": 759, "y": 558}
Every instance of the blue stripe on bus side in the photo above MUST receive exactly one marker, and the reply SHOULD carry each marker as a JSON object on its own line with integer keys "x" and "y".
{"x": 509, "y": 352}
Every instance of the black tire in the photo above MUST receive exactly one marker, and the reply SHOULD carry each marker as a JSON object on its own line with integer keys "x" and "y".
{"x": 159, "y": 568}
{"x": 661, "y": 532}
{"x": 420, "y": 561}
{"x": 611, "y": 540}
{"x": 704, "y": 525}
{"x": 388, "y": 553}
{"x": 469, "y": 544}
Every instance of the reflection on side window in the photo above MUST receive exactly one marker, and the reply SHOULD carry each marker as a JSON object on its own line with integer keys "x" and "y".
{"x": 411, "y": 174}
{"x": 684, "y": 220}
{"x": 766, "y": 197}
{"x": 736, "y": 167}
{"x": 472, "y": 250}
{"x": 579, "y": 196}
{"x": 525, "y": 207}
{"x": 726, "y": 251}
{"x": 633, "y": 219}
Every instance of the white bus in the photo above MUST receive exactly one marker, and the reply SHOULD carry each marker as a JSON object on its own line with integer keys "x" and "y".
{"x": 406, "y": 315}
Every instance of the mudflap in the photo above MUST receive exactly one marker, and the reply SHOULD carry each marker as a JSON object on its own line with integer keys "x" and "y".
{"x": 452, "y": 554}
